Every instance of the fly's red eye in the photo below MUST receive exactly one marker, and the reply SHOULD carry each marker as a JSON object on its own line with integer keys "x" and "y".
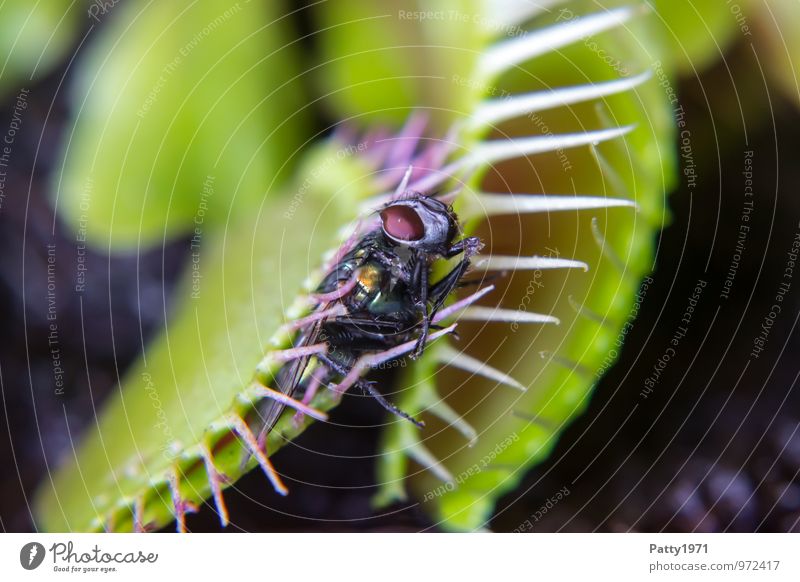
{"x": 402, "y": 223}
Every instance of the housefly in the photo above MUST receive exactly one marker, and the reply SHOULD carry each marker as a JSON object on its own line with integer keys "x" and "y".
{"x": 384, "y": 297}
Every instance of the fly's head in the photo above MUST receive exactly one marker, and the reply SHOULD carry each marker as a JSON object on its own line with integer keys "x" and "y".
{"x": 421, "y": 223}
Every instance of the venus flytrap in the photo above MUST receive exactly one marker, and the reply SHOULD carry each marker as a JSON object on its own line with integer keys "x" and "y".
{"x": 219, "y": 357}
{"x": 583, "y": 339}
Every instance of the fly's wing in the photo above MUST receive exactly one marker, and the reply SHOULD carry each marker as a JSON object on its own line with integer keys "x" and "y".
{"x": 288, "y": 380}
{"x": 289, "y": 377}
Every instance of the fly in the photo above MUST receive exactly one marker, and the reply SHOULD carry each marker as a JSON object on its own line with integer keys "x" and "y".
{"x": 378, "y": 296}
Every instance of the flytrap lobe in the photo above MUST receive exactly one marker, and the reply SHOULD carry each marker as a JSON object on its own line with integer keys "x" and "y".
{"x": 402, "y": 275}
{"x": 378, "y": 299}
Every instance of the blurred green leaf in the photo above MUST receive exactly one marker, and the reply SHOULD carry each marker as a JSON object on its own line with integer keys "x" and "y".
{"x": 698, "y": 32}
{"x": 34, "y": 36}
{"x": 168, "y": 98}
{"x": 379, "y": 60}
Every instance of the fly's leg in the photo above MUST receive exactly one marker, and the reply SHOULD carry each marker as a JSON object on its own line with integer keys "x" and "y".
{"x": 446, "y": 285}
{"x": 352, "y": 376}
{"x": 470, "y": 246}
{"x": 369, "y": 387}
{"x": 366, "y": 324}
{"x": 443, "y": 288}
{"x": 421, "y": 304}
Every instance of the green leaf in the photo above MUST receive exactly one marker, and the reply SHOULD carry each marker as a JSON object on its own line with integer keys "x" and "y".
{"x": 34, "y": 36}
{"x": 698, "y": 32}
{"x": 379, "y": 60}
{"x": 168, "y": 95}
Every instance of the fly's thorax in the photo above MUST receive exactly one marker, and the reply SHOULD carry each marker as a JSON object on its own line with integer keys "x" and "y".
{"x": 344, "y": 269}
{"x": 371, "y": 280}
